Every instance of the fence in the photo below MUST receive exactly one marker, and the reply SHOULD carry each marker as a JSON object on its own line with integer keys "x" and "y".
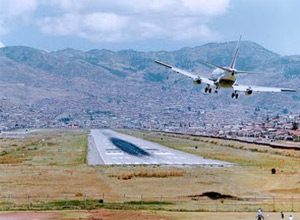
{"x": 181, "y": 203}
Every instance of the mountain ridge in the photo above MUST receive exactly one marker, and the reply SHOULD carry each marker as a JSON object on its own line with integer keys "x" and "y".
{"x": 123, "y": 81}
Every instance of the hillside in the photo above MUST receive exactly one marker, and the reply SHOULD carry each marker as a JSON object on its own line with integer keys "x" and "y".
{"x": 129, "y": 86}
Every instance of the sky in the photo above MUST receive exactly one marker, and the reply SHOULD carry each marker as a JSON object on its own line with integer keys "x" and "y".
{"x": 149, "y": 25}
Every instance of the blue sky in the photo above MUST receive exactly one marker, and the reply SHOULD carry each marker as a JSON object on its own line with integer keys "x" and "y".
{"x": 149, "y": 25}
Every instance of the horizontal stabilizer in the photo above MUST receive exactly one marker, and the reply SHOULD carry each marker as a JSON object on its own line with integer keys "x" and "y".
{"x": 247, "y": 72}
{"x": 231, "y": 70}
{"x": 244, "y": 88}
{"x": 219, "y": 67}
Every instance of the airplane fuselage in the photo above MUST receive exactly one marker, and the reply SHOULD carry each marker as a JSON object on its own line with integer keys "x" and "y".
{"x": 223, "y": 79}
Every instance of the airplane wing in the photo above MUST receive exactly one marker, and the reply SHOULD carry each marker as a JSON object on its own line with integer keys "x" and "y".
{"x": 246, "y": 88}
{"x": 188, "y": 74}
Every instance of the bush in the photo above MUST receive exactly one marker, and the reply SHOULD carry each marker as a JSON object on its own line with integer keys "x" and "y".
{"x": 78, "y": 194}
{"x": 10, "y": 160}
{"x": 273, "y": 171}
{"x": 148, "y": 174}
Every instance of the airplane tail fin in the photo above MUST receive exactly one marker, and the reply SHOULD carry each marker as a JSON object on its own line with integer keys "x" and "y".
{"x": 232, "y": 65}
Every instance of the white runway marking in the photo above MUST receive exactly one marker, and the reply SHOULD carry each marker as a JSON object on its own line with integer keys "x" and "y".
{"x": 107, "y": 147}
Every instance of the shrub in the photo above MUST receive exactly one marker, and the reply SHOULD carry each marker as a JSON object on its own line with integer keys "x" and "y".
{"x": 273, "y": 171}
{"x": 79, "y": 194}
{"x": 10, "y": 160}
{"x": 148, "y": 174}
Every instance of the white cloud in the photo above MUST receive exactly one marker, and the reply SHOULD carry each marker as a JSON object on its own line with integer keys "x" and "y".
{"x": 130, "y": 20}
{"x": 206, "y": 7}
{"x": 115, "y": 20}
{"x": 1, "y": 44}
{"x": 105, "y": 27}
{"x": 17, "y": 7}
{"x": 13, "y": 11}
{"x": 196, "y": 7}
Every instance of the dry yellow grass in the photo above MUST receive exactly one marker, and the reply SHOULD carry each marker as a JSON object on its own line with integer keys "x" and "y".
{"x": 250, "y": 177}
{"x": 48, "y": 164}
{"x": 148, "y": 174}
{"x": 10, "y": 160}
{"x": 53, "y": 164}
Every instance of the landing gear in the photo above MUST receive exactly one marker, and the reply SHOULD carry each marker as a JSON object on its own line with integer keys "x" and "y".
{"x": 208, "y": 89}
{"x": 235, "y": 95}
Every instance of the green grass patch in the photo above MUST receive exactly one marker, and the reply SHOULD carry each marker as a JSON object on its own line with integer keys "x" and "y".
{"x": 86, "y": 205}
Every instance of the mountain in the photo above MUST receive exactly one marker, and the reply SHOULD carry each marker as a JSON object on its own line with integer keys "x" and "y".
{"x": 127, "y": 87}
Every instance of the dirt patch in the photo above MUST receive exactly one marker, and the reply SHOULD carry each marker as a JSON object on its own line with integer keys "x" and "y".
{"x": 290, "y": 191}
{"x": 29, "y": 216}
{"x": 124, "y": 215}
{"x": 223, "y": 215}
{"x": 214, "y": 196}
{"x": 102, "y": 214}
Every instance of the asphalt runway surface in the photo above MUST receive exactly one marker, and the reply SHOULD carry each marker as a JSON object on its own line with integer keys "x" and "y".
{"x": 107, "y": 147}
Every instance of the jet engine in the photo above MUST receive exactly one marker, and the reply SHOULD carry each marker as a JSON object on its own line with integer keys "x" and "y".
{"x": 197, "y": 81}
{"x": 248, "y": 92}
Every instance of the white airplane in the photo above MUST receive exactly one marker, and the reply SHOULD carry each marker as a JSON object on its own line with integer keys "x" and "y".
{"x": 224, "y": 77}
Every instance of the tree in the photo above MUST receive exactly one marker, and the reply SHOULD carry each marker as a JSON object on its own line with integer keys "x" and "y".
{"x": 295, "y": 126}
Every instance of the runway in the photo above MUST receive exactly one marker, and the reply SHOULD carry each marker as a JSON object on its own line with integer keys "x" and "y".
{"x": 107, "y": 147}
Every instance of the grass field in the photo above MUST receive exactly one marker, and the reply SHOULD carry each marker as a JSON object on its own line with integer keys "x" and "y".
{"x": 48, "y": 163}
{"x": 251, "y": 176}
{"x": 47, "y": 170}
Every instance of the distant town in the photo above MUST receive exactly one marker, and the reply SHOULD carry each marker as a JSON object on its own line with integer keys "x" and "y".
{"x": 258, "y": 125}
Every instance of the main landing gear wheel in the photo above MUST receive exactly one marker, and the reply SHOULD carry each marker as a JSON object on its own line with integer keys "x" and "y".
{"x": 234, "y": 95}
{"x": 208, "y": 89}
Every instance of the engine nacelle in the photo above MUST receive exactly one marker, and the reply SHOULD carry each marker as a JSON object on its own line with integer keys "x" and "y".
{"x": 248, "y": 92}
{"x": 197, "y": 81}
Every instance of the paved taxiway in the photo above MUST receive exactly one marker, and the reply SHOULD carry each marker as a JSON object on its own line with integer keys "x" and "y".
{"x": 107, "y": 147}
